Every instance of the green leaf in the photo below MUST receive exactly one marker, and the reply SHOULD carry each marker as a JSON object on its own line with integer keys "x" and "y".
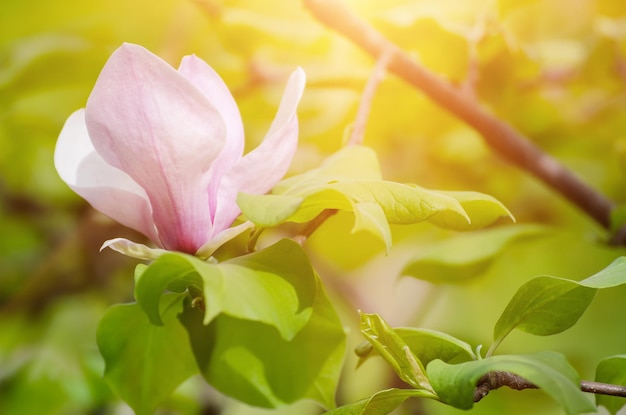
{"x": 544, "y": 306}
{"x": 549, "y": 371}
{"x": 611, "y": 370}
{"x": 395, "y": 351}
{"x": 349, "y": 163}
{"x": 268, "y": 210}
{"x": 381, "y": 403}
{"x": 145, "y": 363}
{"x": 426, "y": 345}
{"x": 611, "y": 276}
{"x": 482, "y": 209}
{"x": 466, "y": 256}
{"x": 250, "y": 361}
{"x": 167, "y": 271}
{"x": 350, "y": 180}
{"x": 275, "y": 286}
{"x": 370, "y": 217}
{"x": 549, "y": 305}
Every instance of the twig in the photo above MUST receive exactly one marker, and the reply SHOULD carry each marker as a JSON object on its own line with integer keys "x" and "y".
{"x": 312, "y": 226}
{"x": 499, "y": 135}
{"x": 495, "y": 380}
{"x": 603, "y": 388}
{"x": 365, "y": 105}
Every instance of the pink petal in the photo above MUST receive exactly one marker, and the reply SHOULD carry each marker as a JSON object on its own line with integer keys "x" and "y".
{"x": 200, "y": 74}
{"x": 209, "y": 82}
{"x": 146, "y": 119}
{"x": 258, "y": 171}
{"x": 106, "y": 188}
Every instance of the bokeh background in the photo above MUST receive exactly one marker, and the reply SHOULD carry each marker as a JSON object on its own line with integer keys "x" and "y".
{"x": 555, "y": 69}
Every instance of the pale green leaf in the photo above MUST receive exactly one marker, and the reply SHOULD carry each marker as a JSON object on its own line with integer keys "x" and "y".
{"x": 465, "y": 256}
{"x": 426, "y": 345}
{"x": 349, "y": 163}
{"x": 611, "y": 276}
{"x": 250, "y": 361}
{"x": 611, "y": 370}
{"x": 482, "y": 209}
{"x": 370, "y": 217}
{"x": 381, "y": 403}
{"x": 145, "y": 363}
{"x": 268, "y": 210}
{"x": 350, "y": 180}
{"x": 549, "y": 371}
{"x": 395, "y": 351}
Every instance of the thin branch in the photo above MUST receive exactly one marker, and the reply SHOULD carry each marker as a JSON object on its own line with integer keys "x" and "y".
{"x": 378, "y": 74}
{"x": 495, "y": 380}
{"x": 603, "y": 388}
{"x": 313, "y": 225}
{"x": 499, "y": 135}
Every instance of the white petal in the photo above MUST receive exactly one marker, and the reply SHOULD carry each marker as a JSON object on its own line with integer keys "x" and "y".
{"x": 133, "y": 249}
{"x": 106, "y": 188}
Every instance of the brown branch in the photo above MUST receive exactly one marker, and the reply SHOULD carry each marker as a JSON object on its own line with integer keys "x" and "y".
{"x": 603, "y": 388}
{"x": 495, "y": 380}
{"x": 499, "y": 135}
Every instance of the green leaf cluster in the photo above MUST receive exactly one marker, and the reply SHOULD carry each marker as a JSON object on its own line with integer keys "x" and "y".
{"x": 258, "y": 328}
{"x": 440, "y": 367}
{"x": 350, "y": 180}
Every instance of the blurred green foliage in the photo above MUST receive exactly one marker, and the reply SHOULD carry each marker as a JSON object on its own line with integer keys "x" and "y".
{"x": 555, "y": 69}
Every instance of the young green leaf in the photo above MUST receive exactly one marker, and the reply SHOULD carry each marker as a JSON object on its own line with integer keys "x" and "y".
{"x": 349, "y": 163}
{"x": 275, "y": 286}
{"x": 267, "y": 211}
{"x": 145, "y": 363}
{"x": 350, "y": 180}
{"x": 611, "y": 276}
{"x": 466, "y": 256}
{"x": 250, "y": 361}
{"x": 426, "y": 345}
{"x": 482, "y": 209}
{"x": 611, "y": 370}
{"x": 543, "y": 306}
{"x": 395, "y": 351}
{"x": 381, "y": 403}
{"x": 548, "y": 305}
{"x": 549, "y": 371}
{"x": 173, "y": 271}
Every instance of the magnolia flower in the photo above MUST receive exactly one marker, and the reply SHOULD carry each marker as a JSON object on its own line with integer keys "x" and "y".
{"x": 160, "y": 150}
